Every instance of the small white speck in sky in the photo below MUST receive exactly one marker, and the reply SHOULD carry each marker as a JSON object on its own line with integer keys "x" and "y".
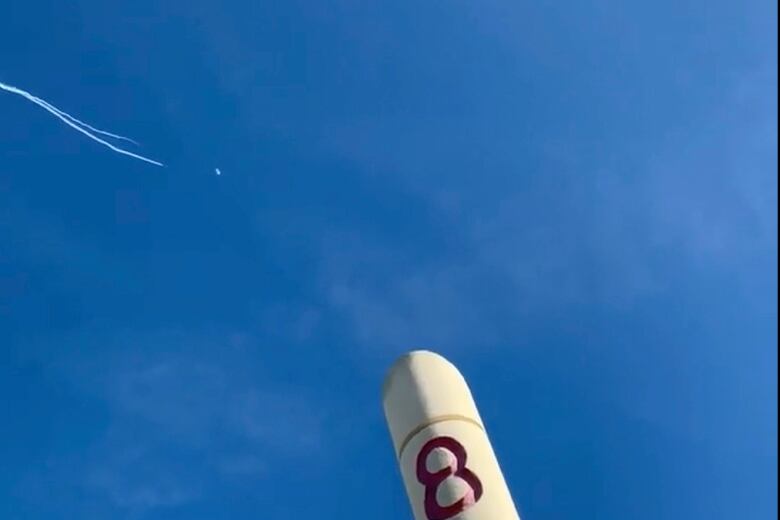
{"x": 218, "y": 171}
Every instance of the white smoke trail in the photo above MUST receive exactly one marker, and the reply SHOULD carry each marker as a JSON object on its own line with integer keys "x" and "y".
{"x": 85, "y": 125}
{"x": 78, "y": 125}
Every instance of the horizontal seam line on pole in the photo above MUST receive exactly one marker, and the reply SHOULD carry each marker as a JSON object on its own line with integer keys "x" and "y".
{"x": 436, "y": 420}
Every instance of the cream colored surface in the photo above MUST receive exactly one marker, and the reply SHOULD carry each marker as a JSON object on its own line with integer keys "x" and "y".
{"x": 425, "y": 397}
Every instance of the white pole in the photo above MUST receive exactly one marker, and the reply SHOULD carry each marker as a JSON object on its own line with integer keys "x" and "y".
{"x": 447, "y": 463}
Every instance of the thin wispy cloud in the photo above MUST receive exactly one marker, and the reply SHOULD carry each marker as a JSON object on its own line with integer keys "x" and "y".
{"x": 172, "y": 404}
{"x": 586, "y": 232}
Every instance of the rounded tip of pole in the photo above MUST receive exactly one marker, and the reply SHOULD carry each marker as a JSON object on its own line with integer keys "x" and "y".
{"x": 423, "y": 386}
{"x": 406, "y": 360}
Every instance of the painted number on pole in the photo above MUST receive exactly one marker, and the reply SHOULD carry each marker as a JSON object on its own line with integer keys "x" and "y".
{"x": 456, "y": 468}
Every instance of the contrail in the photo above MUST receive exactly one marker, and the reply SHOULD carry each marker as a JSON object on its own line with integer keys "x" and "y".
{"x": 85, "y": 125}
{"x": 80, "y": 126}
{"x": 49, "y": 106}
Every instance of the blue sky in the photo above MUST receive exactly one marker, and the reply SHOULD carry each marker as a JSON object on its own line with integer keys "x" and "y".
{"x": 577, "y": 204}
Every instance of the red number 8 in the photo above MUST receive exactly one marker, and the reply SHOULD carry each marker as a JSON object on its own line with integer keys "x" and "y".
{"x": 432, "y": 481}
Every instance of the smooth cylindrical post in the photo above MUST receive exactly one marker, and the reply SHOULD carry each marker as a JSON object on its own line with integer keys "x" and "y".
{"x": 447, "y": 463}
